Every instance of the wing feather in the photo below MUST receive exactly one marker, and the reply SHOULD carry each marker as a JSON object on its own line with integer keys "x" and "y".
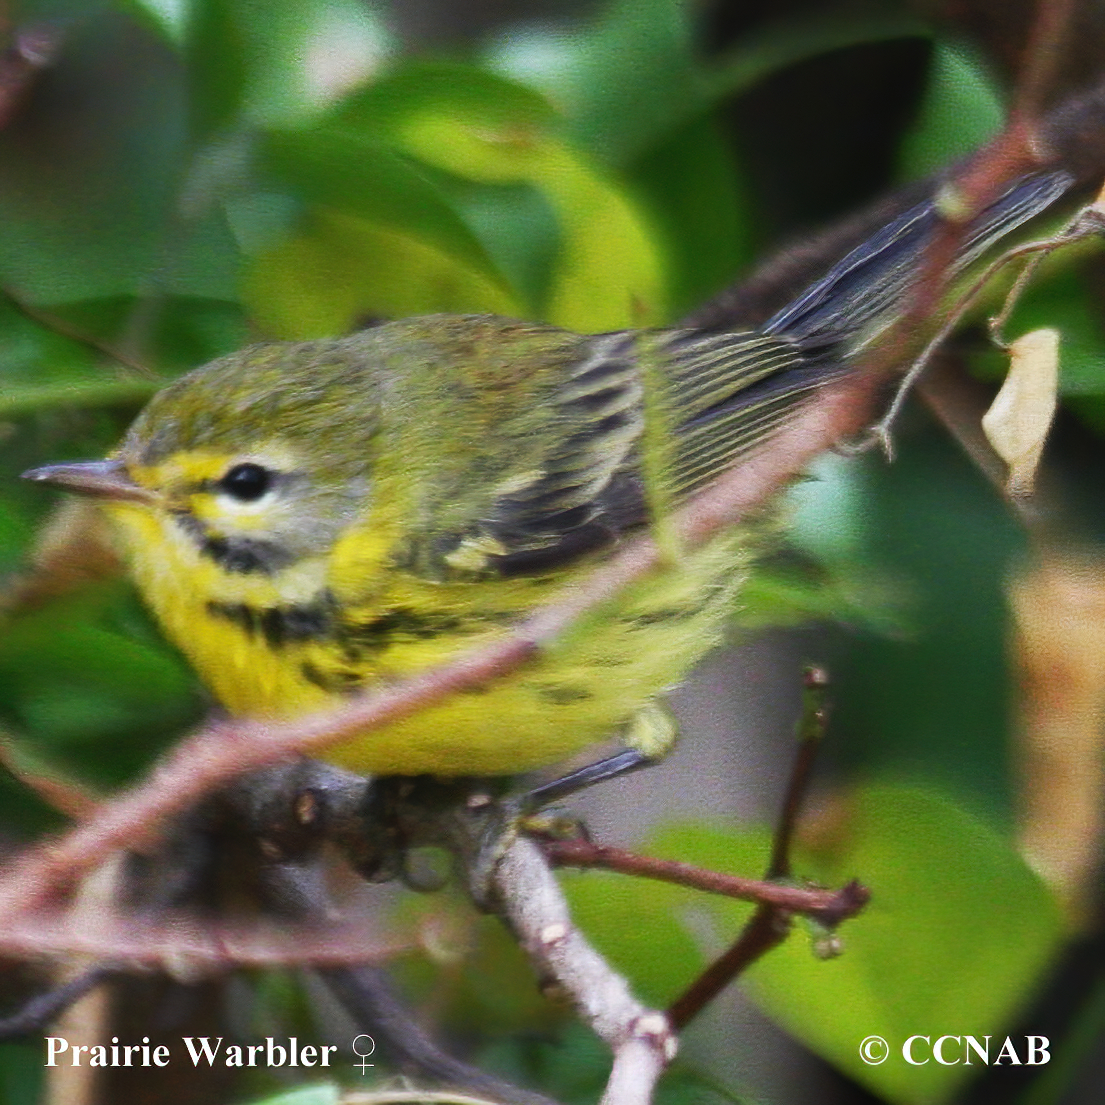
{"x": 562, "y": 474}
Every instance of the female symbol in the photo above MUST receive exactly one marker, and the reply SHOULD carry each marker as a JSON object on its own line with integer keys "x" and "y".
{"x": 363, "y": 1055}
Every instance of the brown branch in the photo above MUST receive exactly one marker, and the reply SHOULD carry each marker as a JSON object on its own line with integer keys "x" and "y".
{"x": 196, "y": 942}
{"x": 1019, "y": 148}
{"x": 828, "y": 906}
{"x": 1042, "y": 55}
{"x": 532, "y": 902}
{"x": 767, "y": 929}
{"x": 1010, "y": 154}
{"x": 34, "y": 49}
{"x": 64, "y": 795}
{"x": 770, "y": 924}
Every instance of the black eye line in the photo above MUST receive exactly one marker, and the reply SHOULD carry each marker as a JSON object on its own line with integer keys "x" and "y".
{"x": 217, "y": 487}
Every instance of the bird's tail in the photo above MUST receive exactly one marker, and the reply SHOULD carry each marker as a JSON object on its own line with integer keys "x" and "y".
{"x": 862, "y": 293}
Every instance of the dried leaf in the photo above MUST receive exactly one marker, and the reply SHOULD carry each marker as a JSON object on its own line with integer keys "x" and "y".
{"x": 1018, "y": 420}
{"x": 1058, "y": 608}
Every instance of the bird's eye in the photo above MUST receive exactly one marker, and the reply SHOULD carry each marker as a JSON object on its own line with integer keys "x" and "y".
{"x": 246, "y": 482}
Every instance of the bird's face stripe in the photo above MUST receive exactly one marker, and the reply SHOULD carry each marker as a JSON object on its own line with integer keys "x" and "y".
{"x": 239, "y": 554}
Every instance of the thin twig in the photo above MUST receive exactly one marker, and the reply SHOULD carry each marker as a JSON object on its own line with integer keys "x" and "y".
{"x": 43, "y": 1008}
{"x": 959, "y": 402}
{"x": 74, "y": 333}
{"x": 1017, "y": 149}
{"x": 811, "y": 729}
{"x": 770, "y": 924}
{"x": 366, "y": 995}
{"x": 73, "y": 799}
{"x": 201, "y": 945}
{"x": 1033, "y": 251}
{"x": 827, "y": 906}
{"x": 766, "y": 929}
{"x": 1042, "y": 57}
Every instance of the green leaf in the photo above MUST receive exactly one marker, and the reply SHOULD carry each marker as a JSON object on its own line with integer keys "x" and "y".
{"x": 961, "y": 111}
{"x": 775, "y": 46}
{"x": 215, "y": 65}
{"x": 40, "y": 368}
{"x": 78, "y": 678}
{"x": 692, "y": 191}
{"x": 340, "y": 272}
{"x": 621, "y": 82}
{"x": 463, "y": 92}
{"x": 609, "y": 271}
{"x": 482, "y": 131}
{"x": 169, "y": 17}
{"x": 275, "y": 69}
{"x": 956, "y": 938}
{"x": 1065, "y": 301}
{"x": 781, "y": 593}
{"x": 359, "y": 175}
{"x": 629, "y": 81}
{"x": 469, "y": 135}
{"x": 177, "y": 332}
{"x": 324, "y": 1093}
{"x": 87, "y": 175}
{"x": 21, "y": 1073}
{"x": 91, "y": 392}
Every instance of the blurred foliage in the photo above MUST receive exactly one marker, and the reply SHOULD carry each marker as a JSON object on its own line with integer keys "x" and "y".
{"x": 187, "y": 174}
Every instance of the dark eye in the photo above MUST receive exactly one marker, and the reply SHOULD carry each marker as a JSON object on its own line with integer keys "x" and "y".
{"x": 246, "y": 482}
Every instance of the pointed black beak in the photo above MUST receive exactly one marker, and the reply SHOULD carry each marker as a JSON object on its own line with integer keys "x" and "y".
{"x": 103, "y": 479}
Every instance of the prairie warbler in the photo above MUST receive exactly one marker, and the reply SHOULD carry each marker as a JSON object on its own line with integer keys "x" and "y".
{"x": 308, "y": 520}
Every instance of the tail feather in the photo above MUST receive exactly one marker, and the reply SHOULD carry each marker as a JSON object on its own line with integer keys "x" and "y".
{"x": 860, "y": 295}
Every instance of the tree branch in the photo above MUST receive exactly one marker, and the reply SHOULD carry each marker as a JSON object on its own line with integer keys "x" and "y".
{"x": 769, "y": 926}
{"x": 830, "y": 907}
{"x": 641, "y": 1039}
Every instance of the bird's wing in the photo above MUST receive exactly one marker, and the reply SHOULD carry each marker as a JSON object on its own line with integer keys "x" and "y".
{"x": 545, "y": 445}
{"x": 560, "y": 471}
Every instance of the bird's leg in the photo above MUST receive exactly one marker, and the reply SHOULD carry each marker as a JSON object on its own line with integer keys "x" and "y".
{"x": 650, "y": 734}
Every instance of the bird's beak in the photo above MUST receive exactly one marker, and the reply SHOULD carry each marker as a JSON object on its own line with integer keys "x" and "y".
{"x": 102, "y": 479}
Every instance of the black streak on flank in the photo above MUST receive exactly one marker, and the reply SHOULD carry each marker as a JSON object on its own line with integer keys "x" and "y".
{"x": 378, "y": 634}
{"x": 279, "y": 625}
{"x": 562, "y": 694}
{"x": 335, "y": 681}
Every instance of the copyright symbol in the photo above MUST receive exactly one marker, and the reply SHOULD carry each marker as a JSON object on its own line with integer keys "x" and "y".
{"x": 874, "y": 1050}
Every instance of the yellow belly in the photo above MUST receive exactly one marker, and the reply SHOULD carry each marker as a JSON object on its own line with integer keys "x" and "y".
{"x": 578, "y": 692}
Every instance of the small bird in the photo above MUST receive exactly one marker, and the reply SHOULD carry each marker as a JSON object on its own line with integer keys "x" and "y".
{"x": 310, "y": 520}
